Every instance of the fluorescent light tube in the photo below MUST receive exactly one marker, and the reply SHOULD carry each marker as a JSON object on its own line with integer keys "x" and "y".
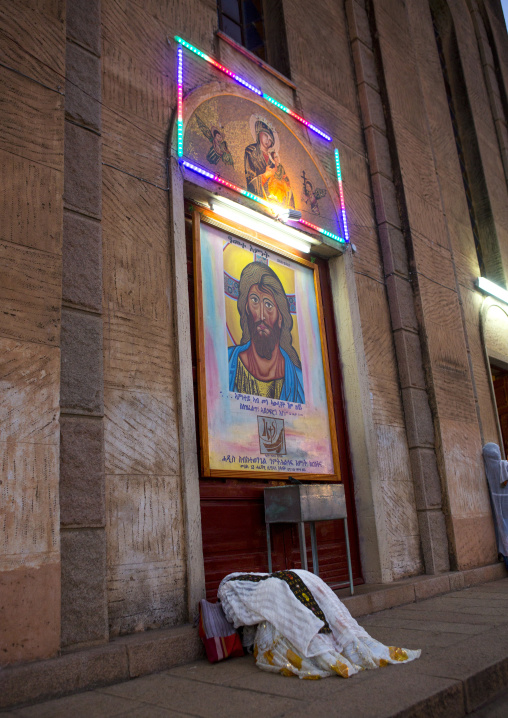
{"x": 493, "y": 289}
{"x": 259, "y": 223}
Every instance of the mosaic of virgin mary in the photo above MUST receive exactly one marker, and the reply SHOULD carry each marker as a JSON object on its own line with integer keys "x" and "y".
{"x": 264, "y": 173}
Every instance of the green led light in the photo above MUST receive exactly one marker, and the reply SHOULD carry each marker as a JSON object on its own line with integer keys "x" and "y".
{"x": 191, "y": 47}
{"x": 274, "y": 102}
{"x": 257, "y": 199}
{"x": 337, "y": 165}
{"x": 332, "y": 236}
{"x": 180, "y": 137}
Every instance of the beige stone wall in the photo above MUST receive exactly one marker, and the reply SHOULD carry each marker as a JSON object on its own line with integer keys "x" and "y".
{"x": 138, "y": 98}
{"x": 408, "y": 315}
{"x": 141, "y": 416}
{"x": 389, "y": 533}
{"x": 399, "y": 433}
{"x": 146, "y": 551}
{"x": 386, "y": 502}
{"x": 31, "y": 157}
{"x": 445, "y": 260}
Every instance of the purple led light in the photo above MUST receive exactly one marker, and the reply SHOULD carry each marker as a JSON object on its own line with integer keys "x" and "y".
{"x": 201, "y": 171}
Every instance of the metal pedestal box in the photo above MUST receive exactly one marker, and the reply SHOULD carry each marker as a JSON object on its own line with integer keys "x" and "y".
{"x": 304, "y": 502}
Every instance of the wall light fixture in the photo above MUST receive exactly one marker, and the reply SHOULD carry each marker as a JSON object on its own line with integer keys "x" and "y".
{"x": 493, "y": 289}
{"x": 264, "y": 225}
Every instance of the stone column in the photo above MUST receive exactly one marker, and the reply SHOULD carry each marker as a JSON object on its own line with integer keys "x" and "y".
{"x": 398, "y": 278}
{"x": 83, "y": 538}
{"x": 185, "y": 387}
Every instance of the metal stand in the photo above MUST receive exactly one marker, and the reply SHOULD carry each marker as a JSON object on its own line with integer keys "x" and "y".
{"x": 303, "y": 546}
{"x": 313, "y": 543}
{"x": 298, "y": 504}
{"x": 269, "y": 546}
{"x": 348, "y": 552}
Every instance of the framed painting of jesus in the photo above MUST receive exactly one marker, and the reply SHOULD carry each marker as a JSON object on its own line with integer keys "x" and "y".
{"x": 265, "y": 408}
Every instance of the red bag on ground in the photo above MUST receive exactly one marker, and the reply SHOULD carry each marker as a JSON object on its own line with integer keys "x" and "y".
{"x": 218, "y": 635}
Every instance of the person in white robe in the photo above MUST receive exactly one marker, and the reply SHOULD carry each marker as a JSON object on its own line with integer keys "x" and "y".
{"x": 496, "y": 470}
{"x": 299, "y": 627}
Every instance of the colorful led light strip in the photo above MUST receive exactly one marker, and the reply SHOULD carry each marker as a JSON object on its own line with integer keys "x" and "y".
{"x": 180, "y": 101}
{"x": 297, "y": 117}
{"x": 220, "y": 67}
{"x": 225, "y": 183}
{"x": 217, "y": 178}
{"x": 341, "y": 195}
{"x": 250, "y": 195}
{"x": 250, "y": 87}
{"x": 325, "y": 232}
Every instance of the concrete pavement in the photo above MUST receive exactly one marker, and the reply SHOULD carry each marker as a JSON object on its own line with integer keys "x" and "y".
{"x": 464, "y": 665}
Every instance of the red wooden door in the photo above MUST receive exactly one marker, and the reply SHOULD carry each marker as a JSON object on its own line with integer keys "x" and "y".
{"x": 234, "y": 536}
{"x": 232, "y": 510}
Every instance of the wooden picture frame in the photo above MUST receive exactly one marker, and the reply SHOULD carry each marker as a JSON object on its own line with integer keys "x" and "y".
{"x": 208, "y": 217}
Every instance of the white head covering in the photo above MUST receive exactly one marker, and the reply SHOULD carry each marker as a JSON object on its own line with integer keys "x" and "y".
{"x": 497, "y": 477}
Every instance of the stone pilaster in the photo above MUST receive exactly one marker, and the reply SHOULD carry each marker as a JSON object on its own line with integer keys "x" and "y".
{"x": 84, "y": 603}
{"x": 398, "y": 279}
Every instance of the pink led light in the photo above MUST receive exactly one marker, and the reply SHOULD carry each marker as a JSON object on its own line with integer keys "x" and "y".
{"x": 215, "y": 177}
{"x": 300, "y": 119}
{"x": 343, "y": 211}
{"x": 234, "y": 76}
{"x": 228, "y": 184}
{"x": 221, "y": 67}
{"x": 180, "y": 100}
{"x": 309, "y": 224}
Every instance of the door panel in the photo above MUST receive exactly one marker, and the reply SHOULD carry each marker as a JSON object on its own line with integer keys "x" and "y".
{"x": 234, "y": 537}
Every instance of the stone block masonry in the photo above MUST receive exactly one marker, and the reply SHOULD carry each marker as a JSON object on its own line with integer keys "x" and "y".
{"x": 31, "y": 156}
{"x": 99, "y": 449}
{"x": 417, "y": 412}
{"x": 82, "y": 492}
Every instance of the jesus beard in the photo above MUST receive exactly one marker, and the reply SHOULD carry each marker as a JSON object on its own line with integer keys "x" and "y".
{"x": 264, "y": 344}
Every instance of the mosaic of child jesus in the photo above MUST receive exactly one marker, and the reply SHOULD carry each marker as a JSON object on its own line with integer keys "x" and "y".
{"x": 265, "y": 363}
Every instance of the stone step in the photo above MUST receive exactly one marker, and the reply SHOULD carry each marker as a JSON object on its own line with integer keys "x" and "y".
{"x": 370, "y": 598}
{"x": 464, "y": 662}
{"x": 119, "y": 660}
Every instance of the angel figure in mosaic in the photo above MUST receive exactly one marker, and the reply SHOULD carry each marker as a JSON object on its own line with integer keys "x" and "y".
{"x": 219, "y": 148}
{"x": 310, "y": 196}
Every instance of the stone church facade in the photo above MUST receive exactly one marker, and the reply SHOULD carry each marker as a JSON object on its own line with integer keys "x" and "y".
{"x": 101, "y": 533}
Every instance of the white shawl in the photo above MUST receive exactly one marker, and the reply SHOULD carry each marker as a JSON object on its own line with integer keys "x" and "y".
{"x": 247, "y": 603}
